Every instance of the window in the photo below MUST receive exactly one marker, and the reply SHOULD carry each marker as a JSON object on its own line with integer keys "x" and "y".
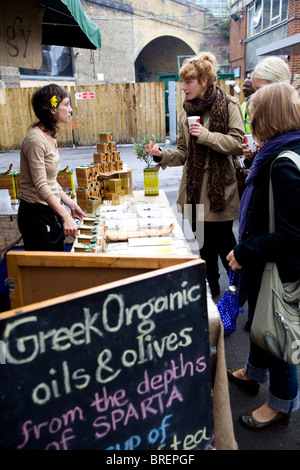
{"x": 262, "y": 14}
{"x": 57, "y": 62}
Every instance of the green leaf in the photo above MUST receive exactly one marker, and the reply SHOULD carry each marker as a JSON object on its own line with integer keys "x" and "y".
{"x": 139, "y": 150}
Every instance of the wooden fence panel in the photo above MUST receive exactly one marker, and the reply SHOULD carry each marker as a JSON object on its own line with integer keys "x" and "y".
{"x": 127, "y": 110}
{"x": 5, "y": 120}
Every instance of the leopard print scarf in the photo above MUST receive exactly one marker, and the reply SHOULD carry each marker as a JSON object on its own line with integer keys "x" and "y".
{"x": 216, "y": 101}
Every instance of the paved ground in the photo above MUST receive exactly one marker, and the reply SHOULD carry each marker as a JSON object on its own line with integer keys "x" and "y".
{"x": 236, "y": 345}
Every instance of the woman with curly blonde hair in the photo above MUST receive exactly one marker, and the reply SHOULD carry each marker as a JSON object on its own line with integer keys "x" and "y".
{"x": 205, "y": 150}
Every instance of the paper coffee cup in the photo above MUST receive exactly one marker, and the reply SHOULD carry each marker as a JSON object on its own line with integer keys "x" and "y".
{"x": 192, "y": 119}
{"x": 248, "y": 139}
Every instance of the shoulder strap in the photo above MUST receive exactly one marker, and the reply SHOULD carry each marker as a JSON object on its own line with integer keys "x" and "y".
{"x": 296, "y": 159}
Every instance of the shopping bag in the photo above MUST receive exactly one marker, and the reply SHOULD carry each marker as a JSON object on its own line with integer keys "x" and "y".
{"x": 228, "y": 306}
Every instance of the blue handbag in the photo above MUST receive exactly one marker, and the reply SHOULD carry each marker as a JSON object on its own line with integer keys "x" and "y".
{"x": 228, "y": 306}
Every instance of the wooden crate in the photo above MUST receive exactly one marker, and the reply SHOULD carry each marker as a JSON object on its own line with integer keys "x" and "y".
{"x": 100, "y": 158}
{"x": 8, "y": 182}
{"x": 93, "y": 204}
{"x": 124, "y": 175}
{"x": 112, "y": 147}
{"x": 105, "y": 137}
{"x": 66, "y": 180}
{"x": 9, "y": 233}
{"x": 40, "y": 275}
{"x": 113, "y": 198}
{"x": 102, "y": 147}
{"x": 116, "y": 156}
{"x": 84, "y": 176}
{"x": 114, "y": 185}
{"x": 119, "y": 165}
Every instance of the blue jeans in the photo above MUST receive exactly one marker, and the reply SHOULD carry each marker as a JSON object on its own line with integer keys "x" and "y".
{"x": 283, "y": 393}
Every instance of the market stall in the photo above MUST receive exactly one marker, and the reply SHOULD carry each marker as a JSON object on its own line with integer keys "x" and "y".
{"x": 129, "y": 287}
{"x": 39, "y": 279}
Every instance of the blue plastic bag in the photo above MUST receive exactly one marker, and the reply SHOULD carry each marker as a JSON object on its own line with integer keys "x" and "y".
{"x": 228, "y": 306}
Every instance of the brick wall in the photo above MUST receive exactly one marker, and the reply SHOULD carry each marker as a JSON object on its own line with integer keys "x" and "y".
{"x": 238, "y": 33}
{"x": 294, "y": 28}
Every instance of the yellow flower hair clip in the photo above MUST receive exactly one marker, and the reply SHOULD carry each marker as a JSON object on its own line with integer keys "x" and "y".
{"x": 54, "y": 101}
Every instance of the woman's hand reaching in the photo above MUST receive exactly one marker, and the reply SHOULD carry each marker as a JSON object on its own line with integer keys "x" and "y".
{"x": 153, "y": 149}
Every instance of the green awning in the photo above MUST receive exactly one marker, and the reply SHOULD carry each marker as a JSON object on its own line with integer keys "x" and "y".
{"x": 66, "y": 24}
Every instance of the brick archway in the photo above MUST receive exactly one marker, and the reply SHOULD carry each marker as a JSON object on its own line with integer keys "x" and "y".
{"x": 160, "y": 56}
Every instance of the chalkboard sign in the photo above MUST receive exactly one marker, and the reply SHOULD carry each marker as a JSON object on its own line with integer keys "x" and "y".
{"x": 124, "y": 366}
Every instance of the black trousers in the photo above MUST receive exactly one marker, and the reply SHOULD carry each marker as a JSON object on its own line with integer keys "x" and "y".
{"x": 40, "y": 227}
{"x": 219, "y": 240}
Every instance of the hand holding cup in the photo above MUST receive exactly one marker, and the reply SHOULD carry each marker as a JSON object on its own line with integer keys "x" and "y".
{"x": 194, "y": 125}
{"x": 249, "y": 141}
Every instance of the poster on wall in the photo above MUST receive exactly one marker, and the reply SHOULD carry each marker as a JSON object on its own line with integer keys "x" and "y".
{"x": 21, "y": 34}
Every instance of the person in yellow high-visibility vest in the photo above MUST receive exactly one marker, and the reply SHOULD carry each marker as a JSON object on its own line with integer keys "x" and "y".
{"x": 248, "y": 90}
{"x": 242, "y": 169}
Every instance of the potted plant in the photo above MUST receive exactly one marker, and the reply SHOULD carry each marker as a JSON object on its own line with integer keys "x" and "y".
{"x": 151, "y": 180}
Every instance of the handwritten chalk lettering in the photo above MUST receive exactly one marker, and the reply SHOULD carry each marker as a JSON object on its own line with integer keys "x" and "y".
{"x": 133, "y": 363}
{"x": 155, "y": 436}
{"x": 177, "y": 371}
{"x": 130, "y": 444}
{"x": 191, "y": 441}
{"x": 54, "y": 426}
{"x": 175, "y": 300}
{"x": 111, "y": 319}
{"x": 169, "y": 343}
{"x": 159, "y": 434}
{"x": 28, "y": 348}
{"x": 129, "y": 358}
{"x": 119, "y": 411}
{"x": 121, "y": 417}
{"x": 112, "y": 421}
{"x": 148, "y": 348}
{"x": 104, "y": 372}
{"x": 64, "y": 384}
{"x": 67, "y": 435}
{"x": 11, "y": 35}
{"x": 105, "y": 402}
{"x": 64, "y": 381}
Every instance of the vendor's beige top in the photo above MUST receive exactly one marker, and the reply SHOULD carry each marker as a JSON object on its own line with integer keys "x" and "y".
{"x": 227, "y": 144}
{"x": 40, "y": 163}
